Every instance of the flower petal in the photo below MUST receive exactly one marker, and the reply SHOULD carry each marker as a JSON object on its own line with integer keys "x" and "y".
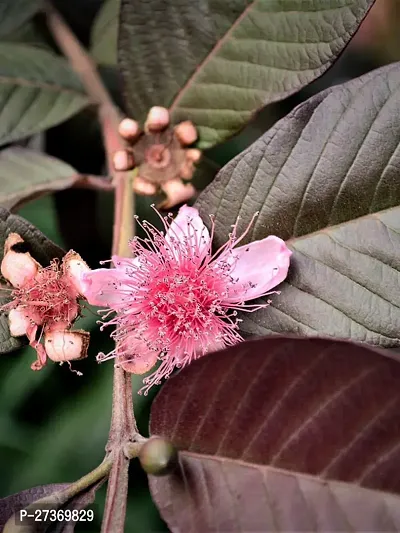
{"x": 257, "y": 268}
{"x": 122, "y": 263}
{"x": 188, "y": 231}
{"x": 73, "y": 267}
{"x": 136, "y": 357}
{"x": 106, "y": 287}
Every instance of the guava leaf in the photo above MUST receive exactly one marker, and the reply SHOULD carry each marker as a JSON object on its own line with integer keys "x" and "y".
{"x": 14, "y": 13}
{"x": 282, "y": 434}
{"x": 325, "y": 179}
{"x": 26, "y": 174}
{"x": 104, "y": 35}
{"x": 216, "y": 63}
{"x": 37, "y": 91}
{"x": 14, "y": 503}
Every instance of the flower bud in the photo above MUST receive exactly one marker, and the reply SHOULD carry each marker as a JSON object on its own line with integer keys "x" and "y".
{"x": 128, "y": 128}
{"x": 17, "y": 266}
{"x": 158, "y": 456}
{"x": 63, "y": 346}
{"x": 157, "y": 119}
{"x": 18, "y": 322}
{"x": 186, "y": 132}
{"x": 74, "y": 266}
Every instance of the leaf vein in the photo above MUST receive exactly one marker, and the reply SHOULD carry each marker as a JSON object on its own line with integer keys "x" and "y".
{"x": 292, "y": 387}
{"x": 317, "y": 260}
{"x": 331, "y": 399}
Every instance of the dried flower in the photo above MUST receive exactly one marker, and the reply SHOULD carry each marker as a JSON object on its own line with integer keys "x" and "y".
{"x": 45, "y": 302}
{"x": 176, "y": 300}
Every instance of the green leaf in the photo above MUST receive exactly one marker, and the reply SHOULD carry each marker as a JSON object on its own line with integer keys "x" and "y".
{"x": 13, "y": 13}
{"x": 105, "y": 33}
{"x": 37, "y": 91}
{"x": 325, "y": 178}
{"x": 41, "y": 248}
{"x": 282, "y": 434}
{"x": 30, "y": 34}
{"x": 216, "y": 63}
{"x": 26, "y": 174}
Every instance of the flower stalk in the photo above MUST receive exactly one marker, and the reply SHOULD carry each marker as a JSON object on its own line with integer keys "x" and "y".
{"x": 123, "y": 428}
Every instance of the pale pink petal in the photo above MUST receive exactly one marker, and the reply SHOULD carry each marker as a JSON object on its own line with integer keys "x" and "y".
{"x": 106, "y": 287}
{"x": 136, "y": 357}
{"x": 189, "y": 230}
{"x": 122, "y": 263}
{"x": 256, "y": 268}
{"x": 139, "y": 364}
{"x": 40, "y": 351}
{"x": 74, "y": 267}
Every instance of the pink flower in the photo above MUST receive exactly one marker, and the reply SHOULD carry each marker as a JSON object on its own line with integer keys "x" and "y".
{"x": 176, "y": 300}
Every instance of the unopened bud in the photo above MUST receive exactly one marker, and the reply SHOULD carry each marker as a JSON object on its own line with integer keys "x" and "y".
{"x": 128, "y": 128}
{"x": 158, "y": 456}
{"x": 157, "y": 119}
{"x": 74, "y": 266}
{"x": 63, "y": 346}
{"x": 186, "y": 132}
{"x": 18, "y": 321}
{"x": 17, "y": 266}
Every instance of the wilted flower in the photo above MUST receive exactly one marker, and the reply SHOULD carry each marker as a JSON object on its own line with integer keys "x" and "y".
{"x": 45, "y": 302}
{"x": 176, "y": 300}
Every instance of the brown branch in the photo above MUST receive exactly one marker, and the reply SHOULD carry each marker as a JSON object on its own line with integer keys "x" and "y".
{"x": 80, "y": 60}
{"x": 98, "y": 183}
{"x": 123, "y": 426}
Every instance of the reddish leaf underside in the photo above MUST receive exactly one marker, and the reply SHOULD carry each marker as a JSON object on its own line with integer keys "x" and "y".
{"x": 16, "y": 502}
{"x": 318, "y": 407}
{"x": 21, "y": 500}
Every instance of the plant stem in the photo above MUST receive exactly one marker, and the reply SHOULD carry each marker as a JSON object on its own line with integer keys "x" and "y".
{"x": 85, "y": 482}
{"x": 123, "y": 425}
{"x": 80, "y": 60}
{"x": 97, "y": 183}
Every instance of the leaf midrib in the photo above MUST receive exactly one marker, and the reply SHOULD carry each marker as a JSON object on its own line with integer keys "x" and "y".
{"x": 38, "y": 187}
{"x": 208, "y": 57}
{"x": 198, "y": 69}
{"x": 5, "y": 80}
{"x": 290, "y": 473}
{"x": 328, "y": 229}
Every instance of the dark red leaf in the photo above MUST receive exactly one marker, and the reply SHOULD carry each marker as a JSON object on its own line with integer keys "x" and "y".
{"x": 16, "y": 502}
{"x": 318, "y": 407}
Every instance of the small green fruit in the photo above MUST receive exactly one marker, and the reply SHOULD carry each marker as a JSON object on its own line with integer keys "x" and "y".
{"x": 158, "y": 456}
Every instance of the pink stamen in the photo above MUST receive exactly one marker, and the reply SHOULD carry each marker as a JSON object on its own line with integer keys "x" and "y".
{"x": 176, "y": 297}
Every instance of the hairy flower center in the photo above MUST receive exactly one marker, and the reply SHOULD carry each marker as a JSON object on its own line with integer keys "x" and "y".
{"x": 184, "y": 302}
{"x": 49, "y": 295}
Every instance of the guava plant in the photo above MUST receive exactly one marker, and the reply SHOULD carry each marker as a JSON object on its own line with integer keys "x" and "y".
{"x": 265, "y": 307}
